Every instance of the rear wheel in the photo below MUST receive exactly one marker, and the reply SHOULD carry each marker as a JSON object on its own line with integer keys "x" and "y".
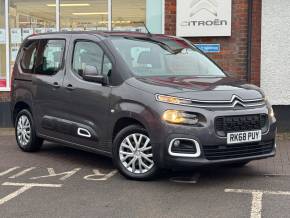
{"x": 25, "y": 133}
{"x": 133, "y": 153}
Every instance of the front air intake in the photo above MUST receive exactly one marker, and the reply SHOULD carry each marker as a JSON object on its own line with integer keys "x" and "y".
{"x": 184, "y": 147}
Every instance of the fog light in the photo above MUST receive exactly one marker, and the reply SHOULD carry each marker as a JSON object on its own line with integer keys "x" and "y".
{"x": 184, "y": 147}
{"x": 176, "y": 143}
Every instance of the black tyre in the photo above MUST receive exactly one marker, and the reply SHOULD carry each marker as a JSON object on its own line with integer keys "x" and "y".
{"x": 25, "y": 132}
{"x": 133, "y": 153}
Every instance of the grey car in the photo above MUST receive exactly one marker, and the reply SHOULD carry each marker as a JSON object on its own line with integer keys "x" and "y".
{"x": 148, "y": 101}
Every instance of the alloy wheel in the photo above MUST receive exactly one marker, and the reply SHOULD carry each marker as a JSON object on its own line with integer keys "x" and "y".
{"x": 136, "y": 153}
{"x": 23, "y": 130}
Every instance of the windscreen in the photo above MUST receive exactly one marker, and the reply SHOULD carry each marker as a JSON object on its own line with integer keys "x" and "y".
{"x": 164, "y": 57}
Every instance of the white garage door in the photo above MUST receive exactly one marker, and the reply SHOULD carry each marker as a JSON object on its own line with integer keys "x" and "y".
{"x": 275, "y": 66}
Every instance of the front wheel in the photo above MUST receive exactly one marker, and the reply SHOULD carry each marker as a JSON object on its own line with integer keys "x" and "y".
{"x": 133, "y": 153}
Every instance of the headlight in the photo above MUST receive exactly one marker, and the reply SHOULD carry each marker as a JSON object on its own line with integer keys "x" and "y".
{"x": 270, "y": 108}
{"x": 271, "y": 112}
{"x": 172, "y": 100}
{"x": 180, "y": 117}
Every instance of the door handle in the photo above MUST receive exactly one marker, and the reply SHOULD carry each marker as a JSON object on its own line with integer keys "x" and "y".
{"x": 69, "y": 87}
{"x": 55, "y": 85}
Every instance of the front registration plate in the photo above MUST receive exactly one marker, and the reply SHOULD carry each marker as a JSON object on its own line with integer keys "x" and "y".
{"x": 244, "y": 137}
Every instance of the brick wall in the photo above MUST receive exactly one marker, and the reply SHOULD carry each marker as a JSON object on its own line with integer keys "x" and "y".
{"x": 233, "y": 55}
{"x": 256, "y": 42}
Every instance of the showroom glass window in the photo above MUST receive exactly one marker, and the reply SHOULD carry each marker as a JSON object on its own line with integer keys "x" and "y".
{"x": 2, "y": 45}
{"x": 83, "y": 15}
{"x": 131, "y": 15}
{"x": 26, "y": 18}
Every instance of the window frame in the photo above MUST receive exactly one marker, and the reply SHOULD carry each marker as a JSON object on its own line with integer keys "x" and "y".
{"x": 25, "y": 71}
{"x": 103, "y": 56}
{"x": 61, "y": 67}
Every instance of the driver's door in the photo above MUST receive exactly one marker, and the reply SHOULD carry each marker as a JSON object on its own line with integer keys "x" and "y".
{"x": 89, "y": 102}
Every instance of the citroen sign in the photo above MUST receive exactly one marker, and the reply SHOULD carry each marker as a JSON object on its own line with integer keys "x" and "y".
{"x": 203, "y": 17}
{"x": 210, "y": 6}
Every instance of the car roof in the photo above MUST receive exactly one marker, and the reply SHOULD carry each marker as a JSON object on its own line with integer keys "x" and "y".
{"x": 106, "y": 34}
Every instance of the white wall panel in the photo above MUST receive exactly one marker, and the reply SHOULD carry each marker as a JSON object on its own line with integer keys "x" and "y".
{"x": 275, "y": 66}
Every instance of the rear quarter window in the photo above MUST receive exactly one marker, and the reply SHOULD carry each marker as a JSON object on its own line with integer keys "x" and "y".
{"x": 28, "y": 57}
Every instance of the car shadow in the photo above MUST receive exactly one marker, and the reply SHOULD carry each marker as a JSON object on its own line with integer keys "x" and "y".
{"x": 84, "y": 159}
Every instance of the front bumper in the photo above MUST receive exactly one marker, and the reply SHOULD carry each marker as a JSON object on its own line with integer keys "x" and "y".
{"x": 207, "y": 137}
{"x": 178, "y": 162}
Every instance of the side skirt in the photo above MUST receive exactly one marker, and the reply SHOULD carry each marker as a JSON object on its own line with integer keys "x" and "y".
{"x": 76, "y": 145}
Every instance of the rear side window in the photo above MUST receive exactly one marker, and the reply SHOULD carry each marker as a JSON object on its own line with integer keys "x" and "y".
{"x": 29, "y": 56}
{"x": 50, "y": 56}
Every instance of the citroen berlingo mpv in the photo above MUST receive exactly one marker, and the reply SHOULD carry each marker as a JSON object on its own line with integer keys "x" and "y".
{"x": 148, "y": 101}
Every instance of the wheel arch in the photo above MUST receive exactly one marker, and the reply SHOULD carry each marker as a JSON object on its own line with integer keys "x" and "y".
{"x": 123, "y": 122}
{"x": 18, "y": 107}
{"x": 132, "y": 112}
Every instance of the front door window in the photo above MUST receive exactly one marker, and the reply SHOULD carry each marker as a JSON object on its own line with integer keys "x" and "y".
{"x": 90, "y": 54}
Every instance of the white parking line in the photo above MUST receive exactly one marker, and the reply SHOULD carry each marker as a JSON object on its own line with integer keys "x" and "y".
{"x": 22, "y": 173}
{"x": 8, "y": 171}
{"x": 96, "y": 176}
{"x": 256, "y": 210}
{"x": 102, "y": 176}
{"x": 24, "y": 188}
{"x": 257, "y": 197}
{"x": 65, "y": 175}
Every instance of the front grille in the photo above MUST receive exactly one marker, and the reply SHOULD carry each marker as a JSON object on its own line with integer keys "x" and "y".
{"x": 218, "y": 152}
{"x": 226, "y": 124}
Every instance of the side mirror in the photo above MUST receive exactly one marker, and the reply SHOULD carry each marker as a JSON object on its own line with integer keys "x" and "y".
{"x": 91, "y": 74}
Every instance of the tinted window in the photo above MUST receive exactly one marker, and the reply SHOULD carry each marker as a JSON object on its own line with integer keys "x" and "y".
{"x": 90, "y": 54}
{"x": 29, "y": 56}
{"x": 50, "y": 56}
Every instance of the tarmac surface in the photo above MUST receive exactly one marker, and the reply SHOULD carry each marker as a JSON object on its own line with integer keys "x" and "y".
{"x": 62, "y": 182}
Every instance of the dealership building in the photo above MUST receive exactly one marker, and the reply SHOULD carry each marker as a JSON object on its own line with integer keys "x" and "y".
{"x": 248, "y": 38}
